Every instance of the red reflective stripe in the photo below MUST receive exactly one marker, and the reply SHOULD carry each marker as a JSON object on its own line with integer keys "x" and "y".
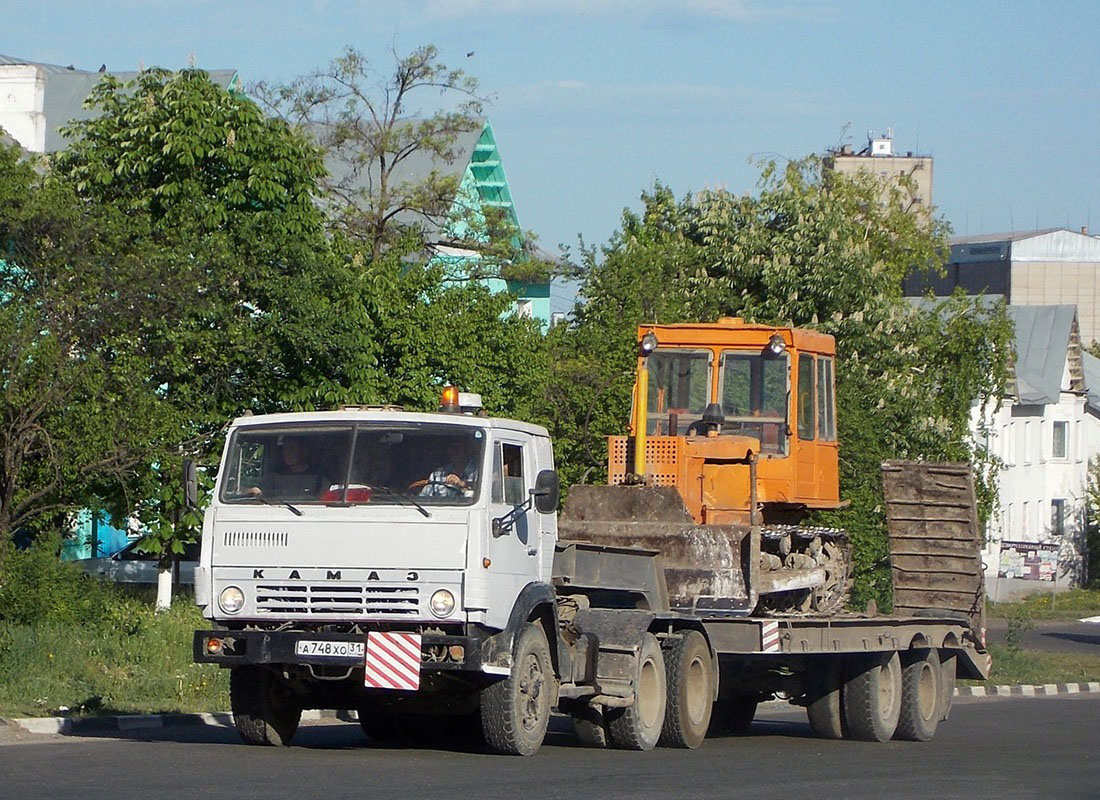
{"x": 392, "y": 660}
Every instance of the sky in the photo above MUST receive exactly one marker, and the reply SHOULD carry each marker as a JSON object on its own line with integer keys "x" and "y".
{"x": 592, "y": 101}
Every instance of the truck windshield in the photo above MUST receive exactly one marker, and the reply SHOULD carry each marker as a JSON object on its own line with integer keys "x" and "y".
{"x": 754, "y": 395}
{"x": 351, "y": 464}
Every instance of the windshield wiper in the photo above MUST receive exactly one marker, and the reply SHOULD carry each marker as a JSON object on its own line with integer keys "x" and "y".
{"x": 285, "y": 504}
{"x": 402, "y": 499}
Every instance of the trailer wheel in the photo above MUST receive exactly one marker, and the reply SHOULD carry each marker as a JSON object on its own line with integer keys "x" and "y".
{"x": 823, "y": 703}
{"x": 638, "y": 727}
{"x": 689, "y": 679}
{"x": 733, "y": 715}
{"x": 872, "y": 699}
{"x": 921, "y": 692}
{"x": 515, "y": 712}
{"x": 265, "y": 711}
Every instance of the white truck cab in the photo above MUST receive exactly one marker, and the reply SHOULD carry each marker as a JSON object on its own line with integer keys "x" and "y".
{"x": 361, "y": 516}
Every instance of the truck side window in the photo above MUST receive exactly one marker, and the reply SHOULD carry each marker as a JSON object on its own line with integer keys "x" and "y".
{"x": 508, "y": 486}
{"x": 826, "y": 410}
{"x": 805, "y": 397}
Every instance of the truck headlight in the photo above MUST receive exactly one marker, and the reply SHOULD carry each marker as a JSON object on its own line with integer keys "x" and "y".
{"x": 442, "y": 603}
{"x": 231, "y": 600}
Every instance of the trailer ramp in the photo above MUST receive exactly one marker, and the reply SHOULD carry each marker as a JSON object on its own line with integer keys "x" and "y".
{"x": 935, "y": 540}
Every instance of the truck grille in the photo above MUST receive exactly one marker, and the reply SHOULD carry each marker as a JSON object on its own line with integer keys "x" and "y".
{"x": 328, "y": 600}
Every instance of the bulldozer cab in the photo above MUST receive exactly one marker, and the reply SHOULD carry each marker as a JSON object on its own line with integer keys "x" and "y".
{"x": 710, "y": 396}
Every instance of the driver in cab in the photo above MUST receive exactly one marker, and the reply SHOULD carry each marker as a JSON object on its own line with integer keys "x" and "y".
{"x": 456, "y": 476}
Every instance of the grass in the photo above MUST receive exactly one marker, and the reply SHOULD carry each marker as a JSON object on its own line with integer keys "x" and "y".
{"x": 1013, "y": 666}
{"x": 139, "y": 662}
{"x": 1071, "y": 604}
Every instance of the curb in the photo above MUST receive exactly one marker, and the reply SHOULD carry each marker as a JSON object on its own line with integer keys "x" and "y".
{"x": 1026, "y": 691}
{"x": 72, "y": 726}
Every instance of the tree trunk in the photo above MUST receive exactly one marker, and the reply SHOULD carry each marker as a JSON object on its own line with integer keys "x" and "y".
{"x": 164, "y": 584}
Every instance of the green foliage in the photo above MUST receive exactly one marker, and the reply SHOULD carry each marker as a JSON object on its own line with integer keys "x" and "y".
{"x": 1070, "y": 604}
{"x": 1092, "y": 523}
{"x": 140, "y": 663}
{"x": 811, "y": 249}
{"x": 79, "y": 415}
{"x": 35, "y": 586}
{"x": 1036, "y": 667}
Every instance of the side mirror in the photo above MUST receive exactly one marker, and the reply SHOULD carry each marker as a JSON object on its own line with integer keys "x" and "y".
{"x": 190, "y": 484}
{"x": 500, "y": 527}
{"x": 547, "y": 491}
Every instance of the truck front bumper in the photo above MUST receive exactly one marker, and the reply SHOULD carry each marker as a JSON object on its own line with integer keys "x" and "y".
{"x": 234, "y": 648}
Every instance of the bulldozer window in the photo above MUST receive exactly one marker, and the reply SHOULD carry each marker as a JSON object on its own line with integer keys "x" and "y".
{"x": 679, "y": 383}
{"x": 826, "y": 409}
{"x": 805, "y": 397}
{"x": 754, "y": 398}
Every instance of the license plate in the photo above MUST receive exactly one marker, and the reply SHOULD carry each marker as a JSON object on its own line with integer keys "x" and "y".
{"x": 311, "y": 647}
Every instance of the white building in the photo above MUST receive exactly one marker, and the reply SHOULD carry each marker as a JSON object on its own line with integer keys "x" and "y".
{"x": 37, "y": 100}
{"x": 1045, "y": 432}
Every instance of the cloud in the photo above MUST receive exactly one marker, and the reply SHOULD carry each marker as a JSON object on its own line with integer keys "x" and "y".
{"x": 728, "y": 10}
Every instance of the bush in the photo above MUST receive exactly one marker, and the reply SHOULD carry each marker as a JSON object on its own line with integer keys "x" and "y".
{"x": 36, "y": 586}
{"x": 72, "y": 644}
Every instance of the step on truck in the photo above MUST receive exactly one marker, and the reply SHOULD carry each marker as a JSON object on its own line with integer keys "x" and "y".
{"x": 411, "y": 567}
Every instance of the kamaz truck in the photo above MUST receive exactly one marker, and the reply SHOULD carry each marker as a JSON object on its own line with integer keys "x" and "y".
{"x": 412, "y": 567}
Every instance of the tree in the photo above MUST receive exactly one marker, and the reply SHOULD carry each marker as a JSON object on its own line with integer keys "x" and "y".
{"x": 389, "y": 161}
{"x": 226, "y": 195}
{"x": 811, "y": 248}
{"x": 79, "y": 416}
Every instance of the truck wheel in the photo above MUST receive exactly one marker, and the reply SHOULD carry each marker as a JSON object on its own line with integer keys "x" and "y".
{"x": 515, "y": 712}
{"x": 921, "y": 693}
{"x": 823, "y": 703}
{"x": 733, "y": 715}
{"x": 638, "y": 727}
{"x": 265, "y": 711}
{"x": 689, "y": 687}
{"x": 872, "y": 699}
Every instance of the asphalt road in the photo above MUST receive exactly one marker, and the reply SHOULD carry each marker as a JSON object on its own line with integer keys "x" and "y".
{"x": 990, "y": 748}
{"x": 1055, "y": 636}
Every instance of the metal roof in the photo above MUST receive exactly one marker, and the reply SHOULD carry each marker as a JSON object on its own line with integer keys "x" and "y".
{"x": 1091, "y": 366}
{"x": 1042, "y": 341}
{"x": 66, "y": 89}
{"x": 1011, "y": 236}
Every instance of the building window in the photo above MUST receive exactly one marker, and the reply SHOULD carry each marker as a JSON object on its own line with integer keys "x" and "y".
{"x": 1024, "y": 518}
{"x": 1058, "y": 517}
{"x": 1061, "y": 440}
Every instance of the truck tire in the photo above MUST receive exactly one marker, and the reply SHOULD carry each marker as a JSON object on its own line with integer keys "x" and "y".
{"x": 265, "y": 711}
{"x": 872, "y": 698}
{"x": 823, "y": 702}
{"x": 515, "y": 712}
{"x": 921, "y": 692}
{"x": 732, "y": 716}
{"x": 689, "y": 679}
{"x": 638, "y": 727}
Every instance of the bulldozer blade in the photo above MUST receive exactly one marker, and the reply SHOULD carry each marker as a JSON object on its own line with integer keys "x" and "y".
{"x": 704, "y": 565}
